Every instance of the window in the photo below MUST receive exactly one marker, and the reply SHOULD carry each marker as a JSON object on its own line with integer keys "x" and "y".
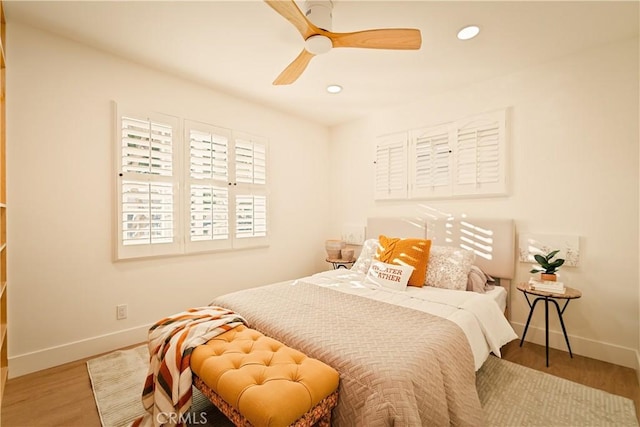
{"x": 480, "y": 155}
{"x": 147, "y": 185}
{"x": 391, "y": 167}
{"x": 249, "y": 189}
{"x": 208, "y": 181}
{"x": 179, "y": 192}
{"x": 462, "y": 158}
{"x": 430, "y": 166}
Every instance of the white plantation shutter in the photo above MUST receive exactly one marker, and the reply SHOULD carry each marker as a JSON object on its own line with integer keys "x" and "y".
{"x": 430, "y": 165}
{"x": 201, "y": 189}
{"x": 250, "y": 158}
{"x": 147, "y": 213}
{"x": 463, "y": 158}
{"x": 147, "y": 185}
{"x": 208, "y": 153}
{"x": 208, "y": 165}
{"x": 147, "y": 147}
{"x": 209, "y": 209}
{"x": 250, "y": 191}
{"x": 480, "y": 158}
{"x": 251, "y": 216}
{"x": 391, "y": 167}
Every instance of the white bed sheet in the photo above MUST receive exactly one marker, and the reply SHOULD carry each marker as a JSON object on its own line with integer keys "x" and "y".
{"x": 499, "y": 295}
{"x": 480, "y": 316}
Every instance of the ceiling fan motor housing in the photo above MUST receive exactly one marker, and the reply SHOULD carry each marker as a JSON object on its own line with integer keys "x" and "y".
{"x": 319, "y": 13}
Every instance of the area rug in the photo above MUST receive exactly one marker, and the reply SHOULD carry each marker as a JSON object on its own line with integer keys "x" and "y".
{"x": 117, "y": 379}
{"x": 511, "y": 395}
{"x": 514, "y": 395}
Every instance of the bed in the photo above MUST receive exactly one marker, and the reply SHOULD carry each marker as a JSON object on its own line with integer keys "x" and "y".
{"x": 405, "y": 357}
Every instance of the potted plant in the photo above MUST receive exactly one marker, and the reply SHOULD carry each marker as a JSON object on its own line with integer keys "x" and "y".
{"x": 548, "y": 266}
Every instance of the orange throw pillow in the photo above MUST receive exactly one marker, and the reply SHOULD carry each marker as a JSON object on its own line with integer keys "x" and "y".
{"x": 413, "y": 252}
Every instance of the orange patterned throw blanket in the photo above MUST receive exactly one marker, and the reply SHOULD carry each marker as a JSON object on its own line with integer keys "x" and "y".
{"x": 167, "y": 389}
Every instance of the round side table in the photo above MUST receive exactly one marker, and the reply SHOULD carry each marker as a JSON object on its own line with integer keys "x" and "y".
{"x": 340, "y": 263}
{"x": 569, "y": 294}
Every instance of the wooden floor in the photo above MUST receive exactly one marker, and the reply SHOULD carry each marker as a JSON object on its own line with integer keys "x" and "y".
{"x": 62, "y": 396}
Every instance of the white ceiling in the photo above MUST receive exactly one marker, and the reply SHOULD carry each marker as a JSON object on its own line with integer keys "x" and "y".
{"x": 239, "y": 47}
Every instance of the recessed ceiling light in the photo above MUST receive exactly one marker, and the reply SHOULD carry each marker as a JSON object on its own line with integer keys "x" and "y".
{"x": 468, "y": 32}
{"x": 334, "y": 88}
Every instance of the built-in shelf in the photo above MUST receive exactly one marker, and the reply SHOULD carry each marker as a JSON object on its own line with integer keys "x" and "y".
{"x": 3, "y": 38}
{"x": 4, "y": 360}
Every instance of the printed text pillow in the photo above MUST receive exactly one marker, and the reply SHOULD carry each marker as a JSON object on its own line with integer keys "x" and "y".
{"x": 413, "y": 252}
{"x": 389, "y": 275}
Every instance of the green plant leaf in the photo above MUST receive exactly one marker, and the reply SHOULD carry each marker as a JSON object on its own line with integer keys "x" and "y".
{"x": 540, "y": 260}
{"x": 552, "y": 254}
{"x": 557, "y": 263}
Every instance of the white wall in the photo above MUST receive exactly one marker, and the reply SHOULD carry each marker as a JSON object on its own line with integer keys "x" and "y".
{"x": 574, "y": 170}
{"x": 574, "y": 155}
{"x": 63, "y": 285}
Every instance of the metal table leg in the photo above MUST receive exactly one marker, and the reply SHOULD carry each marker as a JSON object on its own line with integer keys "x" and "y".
{"x": 546, "y": 328}
{"x": 546, "y": 322}
{"x": 564, "y": 330}
{"x": 532, "y": 306}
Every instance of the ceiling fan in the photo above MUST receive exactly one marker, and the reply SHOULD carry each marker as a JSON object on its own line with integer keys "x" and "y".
{"x": 315, "y": 28}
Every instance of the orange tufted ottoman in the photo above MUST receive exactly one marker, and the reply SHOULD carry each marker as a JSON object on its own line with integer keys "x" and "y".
{"x": 258, "y": 381}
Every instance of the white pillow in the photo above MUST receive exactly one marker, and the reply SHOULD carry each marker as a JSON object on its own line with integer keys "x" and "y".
{"x": 449, "y": 267}
{"x": 389, "y": 275}
{"x": 367, "y": 254}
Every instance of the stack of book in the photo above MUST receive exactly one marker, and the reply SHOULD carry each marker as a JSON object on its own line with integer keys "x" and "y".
{"x": 547, "y": 286}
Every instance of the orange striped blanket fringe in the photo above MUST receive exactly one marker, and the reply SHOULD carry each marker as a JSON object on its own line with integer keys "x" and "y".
{"x": 167, "y": 391}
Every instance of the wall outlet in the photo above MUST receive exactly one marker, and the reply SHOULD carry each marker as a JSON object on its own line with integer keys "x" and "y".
{"x": 121, "y": 311}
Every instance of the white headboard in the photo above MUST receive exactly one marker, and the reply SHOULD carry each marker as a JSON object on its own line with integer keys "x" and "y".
{"x": 493, "y": 240}
{"x": 396, "y": 227}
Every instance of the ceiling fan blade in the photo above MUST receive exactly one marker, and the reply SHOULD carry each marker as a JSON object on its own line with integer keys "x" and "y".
{"x": 391, "y": 38}
{"x": 292, "y": 13}
{"x": 295, "y": 69}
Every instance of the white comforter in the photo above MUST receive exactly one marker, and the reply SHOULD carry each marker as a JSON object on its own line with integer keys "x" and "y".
{"x": 478, "y": 315}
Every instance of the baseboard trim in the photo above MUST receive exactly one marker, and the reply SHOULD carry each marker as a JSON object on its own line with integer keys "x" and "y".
{"x": 606, "y": 352}
{"x": 27, "y": 363}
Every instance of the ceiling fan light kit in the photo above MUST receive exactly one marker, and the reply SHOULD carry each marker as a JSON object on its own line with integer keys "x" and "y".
{"x": 314, "y": 27}
{"x": 318, "y": 45}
